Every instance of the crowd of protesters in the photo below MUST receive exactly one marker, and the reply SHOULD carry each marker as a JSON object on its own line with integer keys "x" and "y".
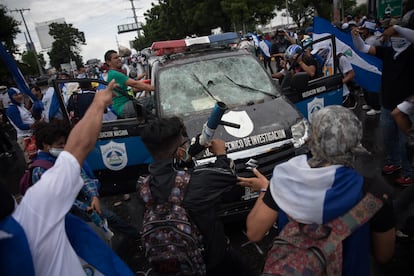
{"x": 41, "y": 236}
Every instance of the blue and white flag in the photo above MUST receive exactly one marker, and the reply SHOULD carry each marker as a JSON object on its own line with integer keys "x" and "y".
{"x": 15, "y": 72}
{"x": 368, "y": 68}
{"x": 19, "y": 79}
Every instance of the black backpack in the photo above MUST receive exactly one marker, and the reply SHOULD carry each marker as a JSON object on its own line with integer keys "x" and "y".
{"x": 172, "y": 243}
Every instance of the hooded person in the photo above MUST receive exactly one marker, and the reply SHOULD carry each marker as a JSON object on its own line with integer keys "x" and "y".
{"x": 21, "y": 118}
{"x": 323, "y": 187}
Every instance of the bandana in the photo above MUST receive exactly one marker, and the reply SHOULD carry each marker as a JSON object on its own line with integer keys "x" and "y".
{"x": 336, "y": 137}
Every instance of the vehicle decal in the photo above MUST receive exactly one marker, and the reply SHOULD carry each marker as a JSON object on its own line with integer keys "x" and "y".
{"x": 241, "y": 118}
{"x": 113, "y": 133}
{"x": 114, "y": 155}
{"x": 249, "y": 194}
{"x": 252, "y": 141}
{"x": 315, "y": 105}
{"x": 313, "y": 91}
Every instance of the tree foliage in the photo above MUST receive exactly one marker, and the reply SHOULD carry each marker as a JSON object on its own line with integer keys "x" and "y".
{"x": 66, "y": 46}
{"x": 302, "y": 11}
{"x": 9, "y": 30}
{"x": 175, "y": 19}
{"x": 28, "y": 58}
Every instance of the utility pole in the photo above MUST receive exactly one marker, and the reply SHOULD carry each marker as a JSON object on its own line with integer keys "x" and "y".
{"x": 33, "y": 48}
{"x": 336, "y": 11}
{"x": 135, "y": 17}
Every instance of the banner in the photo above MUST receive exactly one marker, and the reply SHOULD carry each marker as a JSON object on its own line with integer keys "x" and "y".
{"x": 367, "y": 68}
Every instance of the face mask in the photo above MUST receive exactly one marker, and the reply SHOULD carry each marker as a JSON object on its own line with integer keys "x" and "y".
{"x": 55, "y": 151}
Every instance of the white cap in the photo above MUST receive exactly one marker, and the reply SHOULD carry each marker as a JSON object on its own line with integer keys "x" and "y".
{"x": 369, "y": 25}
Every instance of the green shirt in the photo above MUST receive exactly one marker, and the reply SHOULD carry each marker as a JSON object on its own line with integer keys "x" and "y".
{"x": 119, "y": 100}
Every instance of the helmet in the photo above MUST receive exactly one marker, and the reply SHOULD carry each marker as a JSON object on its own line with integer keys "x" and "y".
{"x": 292, "y": 50}
{"x": 307, "y": 43}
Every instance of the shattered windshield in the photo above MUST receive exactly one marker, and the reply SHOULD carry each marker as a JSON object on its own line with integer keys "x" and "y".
{"x": 193, "y": 87}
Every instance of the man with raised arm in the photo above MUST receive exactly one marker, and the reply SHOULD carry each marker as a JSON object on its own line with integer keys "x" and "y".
{"x": 43, "y": 209}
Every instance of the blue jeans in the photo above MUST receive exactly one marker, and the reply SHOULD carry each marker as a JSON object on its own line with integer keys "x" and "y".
{"x": 394, "y": 143}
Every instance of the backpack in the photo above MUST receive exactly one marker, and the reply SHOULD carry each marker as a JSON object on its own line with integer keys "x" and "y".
{"x": 314, "y": 249}
{"x": 26, "y": 180}
{"x": 172, "y": 242}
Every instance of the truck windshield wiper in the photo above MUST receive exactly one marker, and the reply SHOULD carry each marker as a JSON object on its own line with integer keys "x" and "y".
{"x": 204, "y": 87}
{"x": 250, "y": 88}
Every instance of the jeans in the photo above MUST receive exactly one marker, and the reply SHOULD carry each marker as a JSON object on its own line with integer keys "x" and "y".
{"x": 394, "y": 143}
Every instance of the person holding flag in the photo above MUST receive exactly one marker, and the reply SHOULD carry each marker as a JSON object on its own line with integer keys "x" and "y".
{"x": 397, "y": 58}
{"x": 20, "y": 118}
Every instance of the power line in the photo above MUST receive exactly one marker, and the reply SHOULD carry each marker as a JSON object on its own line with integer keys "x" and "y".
{"x": 33, "y": 48}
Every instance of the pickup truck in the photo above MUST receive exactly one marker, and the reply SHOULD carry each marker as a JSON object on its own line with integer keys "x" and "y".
{"x": 190, "y": 77}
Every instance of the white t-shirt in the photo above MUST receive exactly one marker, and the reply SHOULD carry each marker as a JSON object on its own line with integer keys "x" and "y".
{"x": 26, "y": 118}
{"x": 345, "y": 66}
{"x": 42, "y": 213}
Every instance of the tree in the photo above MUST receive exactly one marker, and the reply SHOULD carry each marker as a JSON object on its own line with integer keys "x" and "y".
{"x": 8, "y": 32}
{"x": 302, "y": 11}
{"x": 28, "y": 58}
{"x": 248, "y": 12}
{"x": 175, "y": 19}
{"x": 66, "y": 46}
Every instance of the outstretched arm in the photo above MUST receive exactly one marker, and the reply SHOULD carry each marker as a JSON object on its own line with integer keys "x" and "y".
{"x": 139, "y": 85}
{"x": 83, "y": 136}
{"x": 360, "y": 44}
{"x": 261, "y": 217}
{"x": 405, "y": 32}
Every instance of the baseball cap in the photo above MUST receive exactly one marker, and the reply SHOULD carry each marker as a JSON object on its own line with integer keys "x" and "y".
{"x": 371, "y": 26}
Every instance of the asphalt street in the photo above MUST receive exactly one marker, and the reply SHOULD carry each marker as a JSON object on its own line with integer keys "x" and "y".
{"x": 131, "y": 252}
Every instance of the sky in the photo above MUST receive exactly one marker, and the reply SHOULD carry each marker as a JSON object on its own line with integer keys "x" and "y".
{"x": 98, "y": 19}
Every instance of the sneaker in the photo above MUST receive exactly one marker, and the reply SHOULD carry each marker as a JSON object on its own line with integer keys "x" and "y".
{"x": 390, "y": 169}
{"x": 349, "y": 102}
{"x": 366, "y": 107}
{"x": 373, "y": 112}
{"x": 404, "y": 181}
{"x": 401, "y": 234}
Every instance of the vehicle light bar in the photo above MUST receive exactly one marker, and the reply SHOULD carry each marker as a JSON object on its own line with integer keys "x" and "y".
{"x": 169, "y": 47}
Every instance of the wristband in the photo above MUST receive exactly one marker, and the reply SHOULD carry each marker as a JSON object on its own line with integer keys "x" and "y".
{"x": 263, "y": 190}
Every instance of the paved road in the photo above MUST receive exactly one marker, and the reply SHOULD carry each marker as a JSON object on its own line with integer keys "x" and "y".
{"x": 132, "y": 253}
